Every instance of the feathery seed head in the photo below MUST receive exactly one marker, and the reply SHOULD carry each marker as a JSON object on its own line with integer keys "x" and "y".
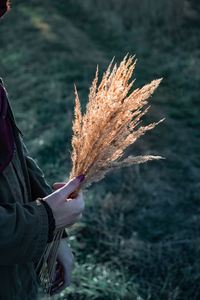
{"x": 109, "y": 125}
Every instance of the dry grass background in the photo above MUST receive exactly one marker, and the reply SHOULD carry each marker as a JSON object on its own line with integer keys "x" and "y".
{"x": 139, "y": 238}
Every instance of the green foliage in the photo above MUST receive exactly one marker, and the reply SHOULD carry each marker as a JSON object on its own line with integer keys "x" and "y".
{"x": 139, "y": 238}
{"x": 99, "y": 281}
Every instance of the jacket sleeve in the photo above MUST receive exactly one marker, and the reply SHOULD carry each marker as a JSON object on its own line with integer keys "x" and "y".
{"x": 39, "y": 186}
{"x": 23, "y": 232}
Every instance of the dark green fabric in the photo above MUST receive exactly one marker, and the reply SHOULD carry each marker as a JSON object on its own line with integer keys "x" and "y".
{"x": 23, "y": 225}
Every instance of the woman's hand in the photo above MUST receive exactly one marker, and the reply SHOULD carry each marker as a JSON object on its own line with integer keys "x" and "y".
{"x": 63, "y": 270}
{"x": 66, "y": 211}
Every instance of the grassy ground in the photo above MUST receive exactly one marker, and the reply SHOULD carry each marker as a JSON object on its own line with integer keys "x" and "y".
{"x": 139, "y": 238}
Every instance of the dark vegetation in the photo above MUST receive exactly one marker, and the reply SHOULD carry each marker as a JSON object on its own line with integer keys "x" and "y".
{"x": 140, "y": 235}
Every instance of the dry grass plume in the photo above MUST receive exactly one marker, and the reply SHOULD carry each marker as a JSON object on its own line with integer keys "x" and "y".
{"x": 111, "y": 122}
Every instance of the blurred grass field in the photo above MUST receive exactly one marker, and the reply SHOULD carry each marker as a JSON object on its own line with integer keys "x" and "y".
{"x": 140, "y": 234}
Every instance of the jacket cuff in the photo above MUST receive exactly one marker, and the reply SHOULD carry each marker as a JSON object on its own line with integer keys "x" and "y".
{"x": 51, "y": 220}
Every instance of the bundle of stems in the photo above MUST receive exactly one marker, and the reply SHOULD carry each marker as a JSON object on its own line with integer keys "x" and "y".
{"x": 110, "y": 124}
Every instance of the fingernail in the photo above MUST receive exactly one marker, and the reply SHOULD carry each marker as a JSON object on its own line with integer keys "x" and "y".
{"x": 81, "y": 177}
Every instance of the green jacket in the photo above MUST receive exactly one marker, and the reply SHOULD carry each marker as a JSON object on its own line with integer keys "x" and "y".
{"x": 23, "y": 225}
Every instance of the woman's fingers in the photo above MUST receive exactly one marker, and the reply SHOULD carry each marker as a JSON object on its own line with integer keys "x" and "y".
{"x": 56, "y": 283}
{"x": 57, "y": 289}
{"x": 58, "y": 279}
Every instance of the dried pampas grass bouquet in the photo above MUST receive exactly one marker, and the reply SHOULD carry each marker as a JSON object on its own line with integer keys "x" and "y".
{"x": 100, "y": 136}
